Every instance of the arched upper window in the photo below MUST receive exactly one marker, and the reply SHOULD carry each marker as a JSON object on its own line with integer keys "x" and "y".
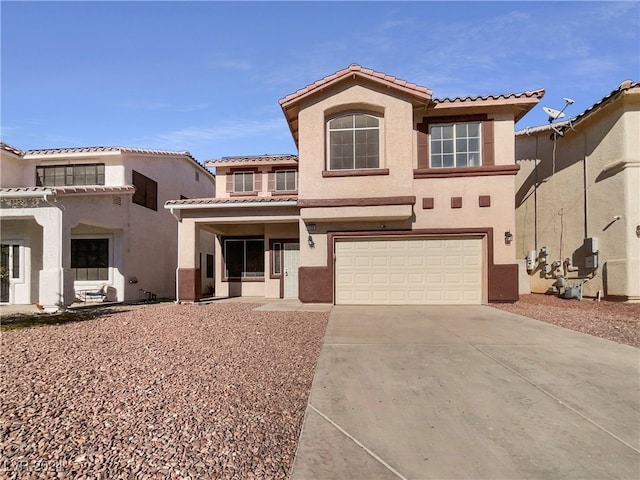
{"x": 354, "y": 142}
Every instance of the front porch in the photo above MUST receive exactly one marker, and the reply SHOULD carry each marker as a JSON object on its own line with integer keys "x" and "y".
{"x": 256, "y": 248}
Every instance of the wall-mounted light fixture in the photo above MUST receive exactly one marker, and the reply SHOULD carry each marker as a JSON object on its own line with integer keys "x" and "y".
{"x": 311, "y": 242}
{"x": 508, "y": 237}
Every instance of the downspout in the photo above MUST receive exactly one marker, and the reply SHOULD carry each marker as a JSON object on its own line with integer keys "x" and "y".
{"x": 535, "y": 198}
{"x": 176, "y": 216}
{"x": 584, "y": 186}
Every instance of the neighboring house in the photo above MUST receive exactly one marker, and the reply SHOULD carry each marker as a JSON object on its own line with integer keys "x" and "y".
{"x": 77, "y": 220}
{"x": 395, "y": 198}
{"x": 578, "y": 198}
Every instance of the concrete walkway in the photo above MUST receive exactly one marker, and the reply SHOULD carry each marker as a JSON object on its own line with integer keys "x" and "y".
{"x": 468, "y": 392}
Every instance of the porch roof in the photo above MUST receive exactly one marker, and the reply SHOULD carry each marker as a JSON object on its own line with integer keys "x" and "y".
{"x": 75, "y": 190}
{"x": 244, "y": 160}
{"x": 190, "y": 203}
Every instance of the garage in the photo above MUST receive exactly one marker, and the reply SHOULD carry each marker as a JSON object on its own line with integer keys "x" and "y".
{"x": 408, "y": 271}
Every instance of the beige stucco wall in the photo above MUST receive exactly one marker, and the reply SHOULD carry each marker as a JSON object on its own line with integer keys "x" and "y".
{"x": 500, "y": 215}
{"x": 396, "y": 146}
{"x": 596, "y": 176}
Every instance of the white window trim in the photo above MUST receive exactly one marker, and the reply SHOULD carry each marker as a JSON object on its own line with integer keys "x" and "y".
{"x": 380, "y": 129}
{"x": 91, "y": 283}
{"x": 453, "y": 124}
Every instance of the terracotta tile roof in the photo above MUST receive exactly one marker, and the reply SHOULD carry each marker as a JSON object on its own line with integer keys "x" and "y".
{"x": 75, "y": 190}
{"x": 622, "y": 88}
{"x": 519, "y": 103}
{"x": 358, "y": 70}
{"x": 232, "y": 200}
{"x": 145, "y": 151}
{"x": 35, "y": 190}
{"x": 536, "y": 94}
{"x": 12, "y": 149}
{"x": 53, "y": 151}
{"x": 276, "y": 158}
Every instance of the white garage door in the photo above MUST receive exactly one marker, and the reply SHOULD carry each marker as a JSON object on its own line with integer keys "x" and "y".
{"x": 413, "y": 271}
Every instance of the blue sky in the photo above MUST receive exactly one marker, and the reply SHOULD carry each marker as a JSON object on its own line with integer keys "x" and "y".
{"x": 207, "y": 76}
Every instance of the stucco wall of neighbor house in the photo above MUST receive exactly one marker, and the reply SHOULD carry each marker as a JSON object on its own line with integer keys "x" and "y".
{"x": 12, "y": 172}
{"x": 152, "y": 247}
{"x": 562, "y": 200}
{"x": 98, "y": 217}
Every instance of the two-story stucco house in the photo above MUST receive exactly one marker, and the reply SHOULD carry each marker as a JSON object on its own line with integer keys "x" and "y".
{"x": 578, "y": 198}
{"x": 78, "y": 220}
{"x": 395, "y": 197}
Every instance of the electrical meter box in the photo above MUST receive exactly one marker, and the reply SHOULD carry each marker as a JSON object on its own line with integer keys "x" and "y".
{"x": 591, "y": 245}
{"x": 591, "y": 262}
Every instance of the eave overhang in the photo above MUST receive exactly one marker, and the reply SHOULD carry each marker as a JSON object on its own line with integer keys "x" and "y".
{"x": 170, "y": 205}
{"x": 520, "y": 103}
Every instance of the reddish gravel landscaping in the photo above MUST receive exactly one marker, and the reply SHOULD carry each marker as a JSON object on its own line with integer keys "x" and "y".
{"x": 619, "y": 322}
{"x": 160, "y": 391}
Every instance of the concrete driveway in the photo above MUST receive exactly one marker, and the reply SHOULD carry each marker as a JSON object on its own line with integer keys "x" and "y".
{"x": 468, "y": 392}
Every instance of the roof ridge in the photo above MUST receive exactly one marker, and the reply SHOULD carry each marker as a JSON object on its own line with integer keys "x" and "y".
{"x": 356, "y": 68}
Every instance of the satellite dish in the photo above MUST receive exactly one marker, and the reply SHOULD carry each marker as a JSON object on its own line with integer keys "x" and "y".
{"x": 553, "y": 113}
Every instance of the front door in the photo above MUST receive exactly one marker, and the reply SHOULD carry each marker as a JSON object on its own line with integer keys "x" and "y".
{"x": 291, "y": 264}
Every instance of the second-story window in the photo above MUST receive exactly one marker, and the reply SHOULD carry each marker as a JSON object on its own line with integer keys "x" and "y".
{"x": 70, "y": 175}
{"x": 354, "y": 142}
{"x": 455, "y": 145}
{"x": 286, "y": 181}
{"x": 243, "y": 182}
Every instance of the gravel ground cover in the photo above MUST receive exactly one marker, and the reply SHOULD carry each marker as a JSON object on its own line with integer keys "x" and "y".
{"x": 615, "y": 321}
{"x": 160, "y": 391}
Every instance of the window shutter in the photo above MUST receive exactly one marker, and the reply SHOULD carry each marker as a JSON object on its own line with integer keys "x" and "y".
{"x": 152, "y": 194}
{"x": 423, "y": 145}
{"x": 488, "y": 151}
{"x": 139, "y": 195}
{"x": 271, "y": 181}
{"x": 257, "y": 182}
{"x": 229, "y": 182}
